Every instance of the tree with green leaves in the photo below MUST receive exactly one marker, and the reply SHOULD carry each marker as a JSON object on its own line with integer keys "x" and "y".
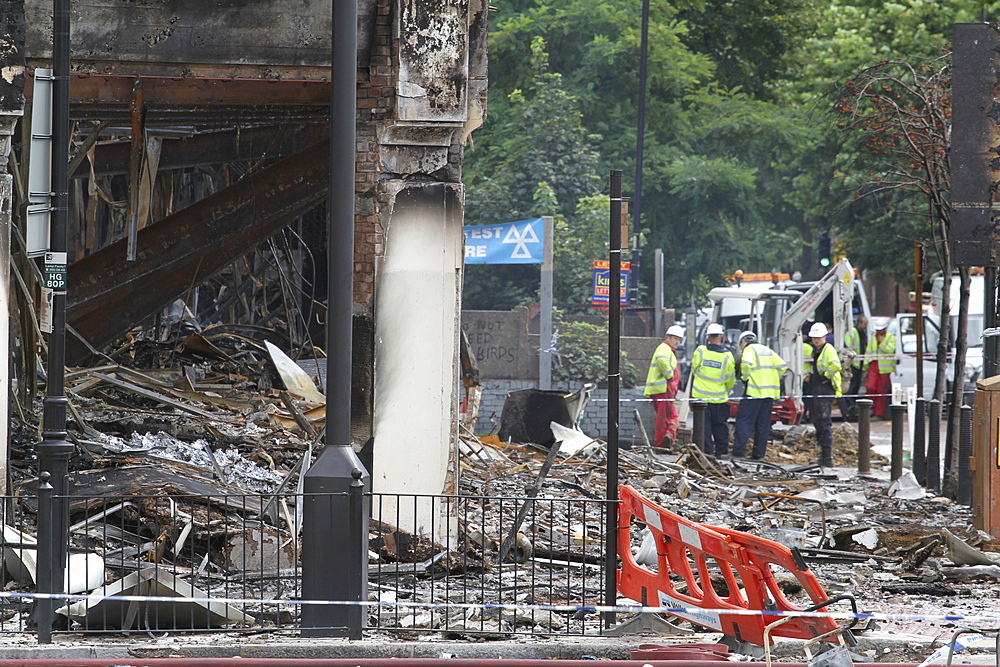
{"x": 535, "y": 158}
{"x": 899, "y": 113}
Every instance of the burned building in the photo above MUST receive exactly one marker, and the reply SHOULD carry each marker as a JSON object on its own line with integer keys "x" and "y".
{"x": 199, "y": 137}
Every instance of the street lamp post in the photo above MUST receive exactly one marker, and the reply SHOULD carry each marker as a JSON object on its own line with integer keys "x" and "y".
{"x": 54, "y": 450}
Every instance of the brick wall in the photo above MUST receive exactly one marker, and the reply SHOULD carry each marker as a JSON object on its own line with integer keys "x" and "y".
{"x": 376, "y": 105}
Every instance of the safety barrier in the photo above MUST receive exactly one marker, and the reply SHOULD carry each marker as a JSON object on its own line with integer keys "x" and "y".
{"x": 694, "y": 553}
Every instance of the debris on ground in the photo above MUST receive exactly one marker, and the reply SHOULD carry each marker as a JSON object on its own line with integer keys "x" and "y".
{"x": 223, "y": 412}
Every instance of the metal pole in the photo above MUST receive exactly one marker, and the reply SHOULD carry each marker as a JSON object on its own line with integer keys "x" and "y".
{"x": 658, "y": 293}
{"x": 919, "y": 438}
{"x": 640, "y": 138}
{"x": 964, "y": 496}
{"x": 545, "y": 312}
{"x": 898, "y": 413}
{"x": 933, "y": 476}
{"x": 47, "y": 548}
{"x": 698, "y": 429}
{"x": 54, "y": 450}
{"x": 614, "y": 332}
{"x": 864, "y": 436}
{"x": 340, "y": 250}
{"x": 333, "y": 566}
{"x": 991, "y": 366}
{"x": 918, "y": 268}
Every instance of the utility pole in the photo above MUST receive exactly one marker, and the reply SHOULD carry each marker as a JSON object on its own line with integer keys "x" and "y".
{"x": 614, "y": 381}
{"x": 639, "y": 149}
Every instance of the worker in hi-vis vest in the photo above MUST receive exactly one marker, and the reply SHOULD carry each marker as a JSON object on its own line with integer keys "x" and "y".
{"x": 662, "y": 381}
{"x": 823, "y": 384}
{"x": 855, "y": 340}
{"x": 713, "y": 374}
{"x": 761, "y": 369}
{"x": 880, "y": 355}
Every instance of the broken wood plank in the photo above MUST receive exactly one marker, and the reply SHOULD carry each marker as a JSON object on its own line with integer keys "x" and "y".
{"x": 156, "y": 396}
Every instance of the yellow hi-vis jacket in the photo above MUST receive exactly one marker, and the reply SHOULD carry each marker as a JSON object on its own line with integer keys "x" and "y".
{"x": 852, "y": 341}
{"x": 713, "y": 374}
{"x": 807, "y": 358}
{"x": 883, "y": 353}
{"x": 662, "y": 367}
{"x": 762, "y": 368}
{"x": 828, "y": 365}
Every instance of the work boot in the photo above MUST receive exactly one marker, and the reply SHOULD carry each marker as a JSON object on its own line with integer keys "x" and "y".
{"x": 825, "y": 460}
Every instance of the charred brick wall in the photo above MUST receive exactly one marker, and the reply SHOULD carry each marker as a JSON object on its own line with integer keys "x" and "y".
{"x": 376, "y": 106}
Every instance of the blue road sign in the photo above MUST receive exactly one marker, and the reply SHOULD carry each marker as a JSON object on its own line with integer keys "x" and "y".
{"x": 519, "y": 242}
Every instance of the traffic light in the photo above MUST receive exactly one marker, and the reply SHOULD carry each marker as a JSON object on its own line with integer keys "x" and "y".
{"x": 825, "y": 258}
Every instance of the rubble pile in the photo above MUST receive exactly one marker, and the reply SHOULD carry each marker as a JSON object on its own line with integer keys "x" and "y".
{"x": 183, "y": 480}
{"x": 217, "y": 415}
{"x": 884, "y": 543}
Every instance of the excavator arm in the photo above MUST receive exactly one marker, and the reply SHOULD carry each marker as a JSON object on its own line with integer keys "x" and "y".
{"x": 838, "y": 281}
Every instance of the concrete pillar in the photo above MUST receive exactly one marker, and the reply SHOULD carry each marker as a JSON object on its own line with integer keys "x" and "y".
{"x": 416, "y": 345}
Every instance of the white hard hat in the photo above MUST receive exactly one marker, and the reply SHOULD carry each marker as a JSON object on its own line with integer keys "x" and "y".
{"x": 880, "y": 323}
{"x": 676, "y": 330}
{"x": 748, "y": 335}
{"x": 818, "y": 330}
{"x": 715, "y": 329}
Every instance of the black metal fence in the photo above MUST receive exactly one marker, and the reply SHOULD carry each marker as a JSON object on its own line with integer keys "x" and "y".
{"x": 232, "y": 563}
{"x": 554, "y": 558}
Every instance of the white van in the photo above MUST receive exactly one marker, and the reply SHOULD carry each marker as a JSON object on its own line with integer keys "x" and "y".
{"x": 974, "y": 334}
{"x": 904, "y": 328}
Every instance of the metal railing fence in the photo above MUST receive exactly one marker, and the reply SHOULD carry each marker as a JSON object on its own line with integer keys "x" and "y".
{"x": 232, "y": 563}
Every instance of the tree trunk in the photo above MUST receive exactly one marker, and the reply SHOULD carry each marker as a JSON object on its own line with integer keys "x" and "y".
{"x": 944, "y": 342}
{"x": 957, "y": 385}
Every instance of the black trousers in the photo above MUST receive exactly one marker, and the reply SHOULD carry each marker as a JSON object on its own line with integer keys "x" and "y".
{"x": 848, "y": 400}
{"x": 753, "y": 417}
{"x": 822, "y": 419}
{"x": 717, "y": 433}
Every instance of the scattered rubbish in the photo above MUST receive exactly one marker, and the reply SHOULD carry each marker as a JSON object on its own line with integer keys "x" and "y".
{"x": 528, "y": 413}
{"x": 646, "y": 554}
{"x": 906, "y": 488}
{"x": 102, "y": 608}
{"x": 970, "y": 639}
{"x": 838, "y": 656}
{"x": 960, "y": 553}
{"x": 571, "y": 440}
{"x": 918, "y": 588}
{"x": 866, "y": 538}
{"x": 224, "y": 413}
{"x": 296, "y": 380}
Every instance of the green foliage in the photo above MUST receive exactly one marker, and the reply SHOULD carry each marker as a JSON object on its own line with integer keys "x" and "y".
{"x": 897, "y": 115}
{"x": 535, "y": 159}
{"x": 579, "y": 242}
{"x": 751, "y": 43}
{"x": 582, "y": 354}
{"x": 744, "y": 164}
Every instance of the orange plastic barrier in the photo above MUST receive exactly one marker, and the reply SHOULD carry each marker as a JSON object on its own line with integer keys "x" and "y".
{"x": 693, "y": 552}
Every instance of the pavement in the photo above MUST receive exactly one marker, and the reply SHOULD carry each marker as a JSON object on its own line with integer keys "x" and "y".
{"x": 872, "y": 646}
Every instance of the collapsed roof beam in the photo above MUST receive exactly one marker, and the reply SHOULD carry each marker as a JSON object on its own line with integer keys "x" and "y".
{"x": 188, "y": 100}
{"x": 209, "y": 148}
{"x": 108, "y": 295}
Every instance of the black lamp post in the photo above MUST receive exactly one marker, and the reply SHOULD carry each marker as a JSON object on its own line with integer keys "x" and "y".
{"x": 54, "y": 450}
{"x": 335, "y": 517}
